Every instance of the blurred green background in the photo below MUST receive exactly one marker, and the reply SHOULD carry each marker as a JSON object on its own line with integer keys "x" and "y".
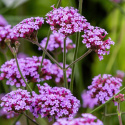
{"x": 101, "y": 13}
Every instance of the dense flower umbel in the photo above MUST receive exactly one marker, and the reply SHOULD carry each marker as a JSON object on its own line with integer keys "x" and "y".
{"x": 120, "y": 74}
{"x": 66, "y": 20}
{"x": 27, "y": 28}
{"x": 88, "y": 101}
{"x": 17, "y": 101}
{"x": 119, "y": 98}
{"x": 94, "y": 39}
{"x": 3, "y": 22}
{"x": 104, "y": 87}
{"x": 30, "y": 67}
{"x": 56, "y": 41}
{"x": 86, "y": 119}
{"x": 54, "y": 102}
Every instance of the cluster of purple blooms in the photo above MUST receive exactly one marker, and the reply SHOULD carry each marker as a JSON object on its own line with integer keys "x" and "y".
{"x": 51, "y": 102}
{"x": 54, "y": 102}
{"x": 56, "y": 41}
{"x": 86, "y": 119}
{"x": 104, "y": 87}
{"x": 94, "y": 39}
{"x": 27, "y": 28}
{"x": 88, "y": 101}
{"x": 17, "y": 101}
{"x": 66, "y": 20}
{"x": 30, "y": 70}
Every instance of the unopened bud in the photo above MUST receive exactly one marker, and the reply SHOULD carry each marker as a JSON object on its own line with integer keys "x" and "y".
{"x": 7, "y": 41}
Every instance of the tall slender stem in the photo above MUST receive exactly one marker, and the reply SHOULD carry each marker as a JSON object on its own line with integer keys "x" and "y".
{"x": 80, "y": 58}
{"x": 49, "y": 32}
{"x": 58, "y": 4}
{"x": 64, "y": 63}
{"x": 43, "y": 56}
{"x": 48, "y": 54}
{"x": 21, "y": 73}
{"x": 27, "y": 120}
{"x": 76, "y": 50}
{"x": 17, "y": 119}
{"x": 30, "y": 119}
{"x": 119, "y": 114}
{"x": 96, "y": 109}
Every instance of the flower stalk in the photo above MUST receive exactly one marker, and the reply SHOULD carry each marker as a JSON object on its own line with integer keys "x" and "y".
{"x": 76, "y": 49}
{"x": 64, "y": 64}
{"x": 119, "y": 114}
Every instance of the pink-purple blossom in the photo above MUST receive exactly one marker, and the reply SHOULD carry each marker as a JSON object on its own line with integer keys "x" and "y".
{"x": 104, "y": 87}
{"x": 17, "y": 101}
{"x": 86, "y": 119}
{"x": 30, "y": 70}
{"x": 94, "y": 39}
{"x": 56, "y": 42}
{"x": 88, "y": 101}
{"x": 56, "y": 102}
{"x": 66, "y": 20}
{"x": 27, "y": 28}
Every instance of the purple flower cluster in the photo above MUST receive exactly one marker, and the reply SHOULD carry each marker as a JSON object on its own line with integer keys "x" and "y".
{"x": 104, "y": 87}
{"x": 56, "y": 41}
{"x": 54, "y": 102}
{"x": 119, "y": 98}
{"x": 88, "y": 101}
{"x": 3, "y": 22}
{"x": 17, "y": 101}
{"x": 29, "y": 68}
{"x": 27, "y": 28}
{"x": 94, "y": 39}
{"x": 66, "y": 20}
{"x": 120, "y": 74}
{"x": 86, "y": 119}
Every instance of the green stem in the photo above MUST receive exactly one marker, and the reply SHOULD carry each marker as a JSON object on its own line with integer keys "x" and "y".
{"x": 99, "y": 107}
{"x": 58, "y": 4}
{"x": 49, "y": 32}
{"x": 17, "y": 119}
{"x": 113, "y": 114}
{"x": 43, "y": 56}
{"x": 30, "y": 119}
{"x": 76, "y": 49}
{"x": 21, "y": 73}
{"x": 64, "y": 63}
{"x": 48, "y": 54}
{"x": 27, "y": 120}
{"x": 80, "y": 58}
{"x": 119, "y": 114}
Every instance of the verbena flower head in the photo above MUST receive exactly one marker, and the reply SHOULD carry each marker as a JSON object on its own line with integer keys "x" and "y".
{"x": 56, "y": 41}
{"x": 54, "y": 102}
{"x": 27, "y": 28}
{"x": 17, "y": 101}
{"x": 30, "y": 69}
{"x": 94, "y": 39}
{"x": 66, "y": 20}
{"x": 3, "y": 22}
{"x": 88, "y": 101}
{"x": 104, "y": 87}
{"x": 119, "y": 98}
{"x": 86, "y": 119}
